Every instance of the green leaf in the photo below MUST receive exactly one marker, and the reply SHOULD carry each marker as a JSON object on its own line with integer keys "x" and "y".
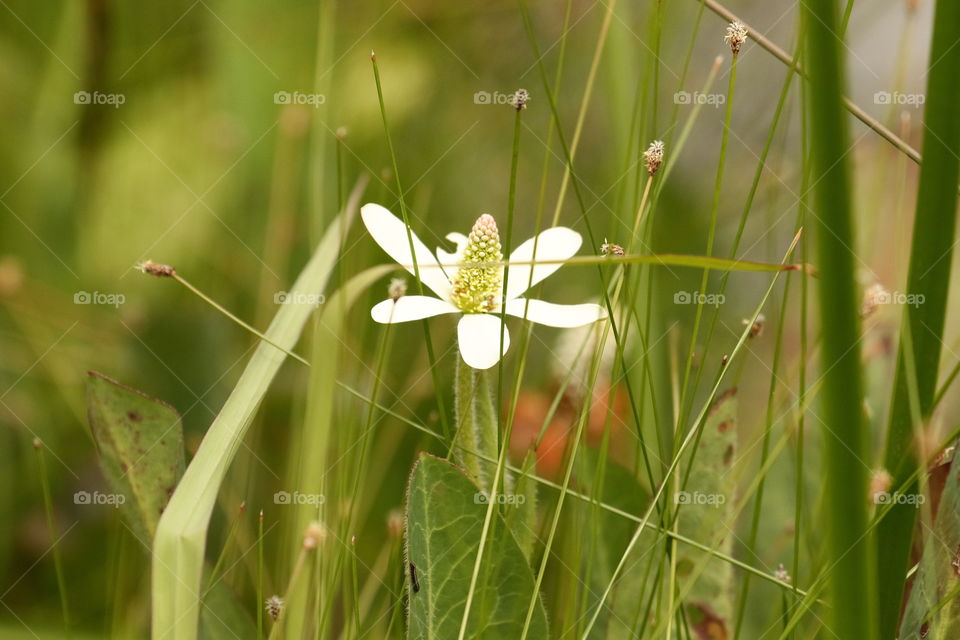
{"x": 445, "y": 515}
{"x": 923, "y": 330}
{"x": 933, "y": 609}
{"x": 181, "y": 533}
{"x": 706, "y": 504}
{"x": 140, "y": 445}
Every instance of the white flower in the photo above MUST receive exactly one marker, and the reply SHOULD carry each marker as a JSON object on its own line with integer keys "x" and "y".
{"x": 474, "y": 288}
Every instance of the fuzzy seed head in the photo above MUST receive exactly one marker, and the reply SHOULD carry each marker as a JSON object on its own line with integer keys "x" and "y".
{"x": 880, "y": 483}
{"x": 782, "y": 574}
{"x": 874, "y": 296}
{"x": 476, "y": 285}
{"x": 395, "y": 524}
{"x": 653, "y": 156}
{"x": 152, "y": 268}
{"x": 736, "y": 36}
{"x": 610, "y": 249}
{"x": 397, "y": 288}
{"x": 274, "y": 607}
{"x": 756, "y": 329}
{"x": 519, "y": 99}
{"x": 314, "y": 535}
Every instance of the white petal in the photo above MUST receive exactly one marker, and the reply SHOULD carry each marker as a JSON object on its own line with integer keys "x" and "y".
{"x": 479, "y": 338}
{"x": 555, "y": 315}
{"x": 410, "y": 308}
{"x": 391, "y": 234}
{"x": 447, "y": 258}
{"x": 558, "y": 243}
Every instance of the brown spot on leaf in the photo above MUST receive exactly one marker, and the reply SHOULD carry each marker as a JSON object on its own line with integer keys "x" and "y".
{"x": 924, "y": 629}
{"x": 707, "y": 625}
{"x": 724, "y": 426}
{"x": 728, "y": 456}
{"x": 134, "y": 415}
{"x": 955, "y": 563}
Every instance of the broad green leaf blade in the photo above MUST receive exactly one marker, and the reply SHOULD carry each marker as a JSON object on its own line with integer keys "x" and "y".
{"x": 922, "y": 333}
{"x": 181, "y": 534}
{"x": 445, "y": 514}
{"x": 706, "y": 506}
{"x": 140, "y": 447}
{"x": 933, "y": 609}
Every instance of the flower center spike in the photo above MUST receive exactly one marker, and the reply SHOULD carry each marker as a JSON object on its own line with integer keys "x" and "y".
{"x": 476, "y": 285}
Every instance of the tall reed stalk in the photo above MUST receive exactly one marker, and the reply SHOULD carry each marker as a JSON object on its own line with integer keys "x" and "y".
{"x": 853, "y": 590}
{"x": 930, "y": 262}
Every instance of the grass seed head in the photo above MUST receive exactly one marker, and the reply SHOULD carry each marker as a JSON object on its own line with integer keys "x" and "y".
{"x": 736, "y": 36}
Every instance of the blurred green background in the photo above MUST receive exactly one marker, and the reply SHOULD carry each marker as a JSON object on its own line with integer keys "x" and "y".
{"x": 180, "y": 149}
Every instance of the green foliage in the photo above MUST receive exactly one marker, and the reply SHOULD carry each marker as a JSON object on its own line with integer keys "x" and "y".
{"x": 445, "y": 514}
{"x": 921, "y": 344}
{"x": 705, "y": 514}
{"x": 140, "y": 446}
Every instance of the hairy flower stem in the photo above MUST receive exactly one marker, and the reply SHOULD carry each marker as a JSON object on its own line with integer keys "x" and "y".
{"x": 475, "y": 441}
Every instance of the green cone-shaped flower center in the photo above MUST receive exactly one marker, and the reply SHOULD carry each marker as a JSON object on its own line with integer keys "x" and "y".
{"x": 476, "y": 285}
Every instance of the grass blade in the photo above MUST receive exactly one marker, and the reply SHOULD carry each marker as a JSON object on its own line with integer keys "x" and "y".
{"x": 181, "y": 534}
{"x": 929, "y": 277}
{"x": 847, "y": 454}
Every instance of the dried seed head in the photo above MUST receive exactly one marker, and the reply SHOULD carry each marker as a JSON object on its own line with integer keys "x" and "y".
{"x": 397, "y": 288}
{"x": 781, "y": 574}
{"x": 653, "y": 156}
{"x": 880, "y": 483}
{"x": 756, "y": 330}
{"x": 37, "y": 443}
{"x": 476, "y": 285}
{"x": 610, "y": 249}
{"x": 152, "y": 268}
{"x": 274, "y": 607}
{"x": 874, "y": 296}
{"x": 341, "y": 133}
{"x": 395, "y": 524}
{"x": 519, "y": 99}
{"x": 736, "y": 36}
{"x": 314, "y": 535}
